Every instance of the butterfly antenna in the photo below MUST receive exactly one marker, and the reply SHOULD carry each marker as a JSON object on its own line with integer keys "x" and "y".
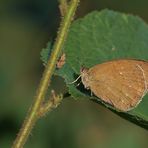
{"x": 75, "y": 80}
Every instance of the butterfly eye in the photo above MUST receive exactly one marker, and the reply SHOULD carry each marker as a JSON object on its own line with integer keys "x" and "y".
{"x": 84, "y": 70}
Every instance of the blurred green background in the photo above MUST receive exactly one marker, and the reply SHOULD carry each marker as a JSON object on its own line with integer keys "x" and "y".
{"x": 25, "y": 28}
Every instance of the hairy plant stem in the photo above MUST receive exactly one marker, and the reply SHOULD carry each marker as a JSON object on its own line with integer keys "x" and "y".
{"x": 32, "y": 115}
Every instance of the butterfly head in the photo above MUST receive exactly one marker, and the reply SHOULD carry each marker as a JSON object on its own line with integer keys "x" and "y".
{"x": 85, "y": 77}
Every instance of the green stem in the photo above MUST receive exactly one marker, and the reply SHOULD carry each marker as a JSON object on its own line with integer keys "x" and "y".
{"x": 44, "y": 83}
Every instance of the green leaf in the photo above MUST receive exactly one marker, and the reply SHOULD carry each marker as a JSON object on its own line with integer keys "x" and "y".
{"x": 103, "y": 36}
{"x": 45, "y": 53}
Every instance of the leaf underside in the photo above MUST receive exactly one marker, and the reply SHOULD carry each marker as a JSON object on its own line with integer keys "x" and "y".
{"x": 103, "y": 36}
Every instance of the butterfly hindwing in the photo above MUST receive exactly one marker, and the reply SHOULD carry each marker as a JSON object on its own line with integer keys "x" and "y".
{"x": 121, "y": 83}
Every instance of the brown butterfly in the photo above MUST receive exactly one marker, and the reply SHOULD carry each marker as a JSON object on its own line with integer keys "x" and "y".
{"x": 121, "y": 83}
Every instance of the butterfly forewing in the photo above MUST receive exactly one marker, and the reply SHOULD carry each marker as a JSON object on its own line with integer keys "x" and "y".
{"x": 121, "y": 83}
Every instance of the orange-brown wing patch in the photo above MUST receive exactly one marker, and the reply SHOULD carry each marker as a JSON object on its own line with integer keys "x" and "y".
{"x": 120, "y": 83}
